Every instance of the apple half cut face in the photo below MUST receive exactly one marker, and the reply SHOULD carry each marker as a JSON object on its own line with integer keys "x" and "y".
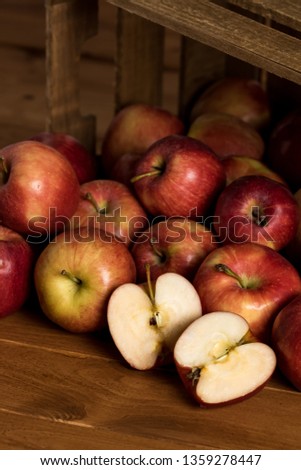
{"x": 146, "y": 320}
{"x": 220, "y": 361}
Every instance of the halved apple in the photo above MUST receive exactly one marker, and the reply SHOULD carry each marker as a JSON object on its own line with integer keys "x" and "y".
{"x": 220, "y": 361}
{"x": 146, "y": 320}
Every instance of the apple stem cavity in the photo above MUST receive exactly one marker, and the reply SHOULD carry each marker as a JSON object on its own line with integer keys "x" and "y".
{"x": 4, "y": 170}
{"x": 75, "y": 279}
{"x": 223, "y": 268}
{"x": 258, "y": 218}
{"x": 144, "y": 175}
{"x": 89, "y": 197}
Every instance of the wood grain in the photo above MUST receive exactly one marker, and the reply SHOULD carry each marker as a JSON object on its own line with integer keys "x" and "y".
{"x": 226, "y": 31}
{"x": 68, "y": 385}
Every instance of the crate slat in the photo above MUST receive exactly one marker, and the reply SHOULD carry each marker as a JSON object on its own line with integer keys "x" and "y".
{"x": 286, "y": 12}
{"x": 69, "y": 23}
{"x": 225, "y": 30}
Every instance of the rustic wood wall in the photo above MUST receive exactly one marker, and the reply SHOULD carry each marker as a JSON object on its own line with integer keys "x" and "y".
{"x": 22, "y": 70}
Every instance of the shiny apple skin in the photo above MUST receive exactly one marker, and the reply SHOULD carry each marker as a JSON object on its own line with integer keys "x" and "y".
{"x": 270, "y": 283}
{"x": 227, "y": 135}
{"x": 235, "y": 221}
{"x": 83, "y": 162}
{"x": 286, "y": 341}
{"x": 100, "y": 264}
{"x": 124, "y": 216}
{"x": 190, "y": 178}
{"x": 40, "y": 188}
{"x": 16, "y": 266}
{"x": 134, "y": 129}
{"x": 176, "y": 245}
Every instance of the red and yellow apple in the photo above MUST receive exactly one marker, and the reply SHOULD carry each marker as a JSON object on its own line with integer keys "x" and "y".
{"x": 249, "y": 279}
{"x": 178, "y": 176}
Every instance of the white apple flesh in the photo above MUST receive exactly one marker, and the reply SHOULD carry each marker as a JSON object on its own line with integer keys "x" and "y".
{"x": 220, "y": 362}
{"x": 145, "y": 324}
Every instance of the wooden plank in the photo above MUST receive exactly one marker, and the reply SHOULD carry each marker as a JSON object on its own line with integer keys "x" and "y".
{"x": 133, "y": 408}
{"x": 139, "y": 62}
{"x": 225, "y": 30}
{"x": 68, "y": 24}
{"x": 284, "y": 12}
{"x": 71, "y": 379}
{"x": 23, "y": 108}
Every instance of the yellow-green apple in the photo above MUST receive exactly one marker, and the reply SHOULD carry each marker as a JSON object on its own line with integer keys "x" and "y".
{"x": 110, "y": 206}
{"x": 76, "y": 274}
{"x": 16, "y": 266}
{"x": 256, "y": 209}
{"x": 146, "y": 320}
{"x": 284, "y": 149}
{"x": 38, "y": 188}
{"x": 237, "y": 165}
{"x": 82, "y": 161}
{"x": 227, "y": 135}
{"x": 178, "y": 176}
{"x": 249, "y": 279}
{"x": 242, "y": 97}
{"x": 174, "y": 245}
{"x": 286, "y": 341}
{"x": 220, "y": 361}
{"x": 134, "y": 128}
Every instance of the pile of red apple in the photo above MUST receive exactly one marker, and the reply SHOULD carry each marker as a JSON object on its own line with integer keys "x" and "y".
{"x": 182, "y": 239}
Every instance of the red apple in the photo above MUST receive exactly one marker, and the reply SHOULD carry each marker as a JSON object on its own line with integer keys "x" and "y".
{"x": 38, "y": 188}
{"x": 178, "y": 177}
{"x": 134, "y": 128}
{"x": 16, "y": 264}
{"x": 75, "y": 276}
{"x": 146, "y": 320}
{"x": 236, "y": 166}
{"x": 124, "y": 169}
{"x": 82, "y": 161}
{"x": 249, "y": 279}
{"x": 174, "y": 245}
{"x": 256, "y": 209}
{"x": 110, "y": 206}
{"x": 292, "y": 251}
{"x": 227, "y": 135}
{"x": 284, "y": 149}
{"x": 286, "y": 341}
{"x": 242, "y": 97}
{"x": 219, "y": 360}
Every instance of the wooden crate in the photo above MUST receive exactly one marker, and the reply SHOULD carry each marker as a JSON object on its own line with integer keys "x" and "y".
{"x": 241, "y": 37}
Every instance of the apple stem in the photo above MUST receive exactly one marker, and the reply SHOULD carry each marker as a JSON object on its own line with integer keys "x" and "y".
{"x": 89, "y": 197}
{"x": 223, "y": 268}
{"x": 149, "y": 284}
{"x": 153, "y": 241}
{"x": 155, "y": 320}
{"x": 71, "y": 277}
{"x": 143, "y": 175}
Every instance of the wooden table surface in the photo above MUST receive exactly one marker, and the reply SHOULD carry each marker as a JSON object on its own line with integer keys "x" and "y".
{"x": 66, "y": 391}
